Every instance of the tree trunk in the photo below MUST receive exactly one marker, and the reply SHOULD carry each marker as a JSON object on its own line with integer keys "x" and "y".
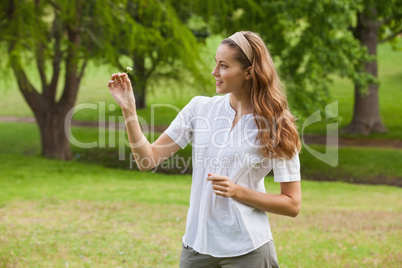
{"x": 54, "y": 136}
{"x": 139, "y": 79}
{"x": 366, "y": 113}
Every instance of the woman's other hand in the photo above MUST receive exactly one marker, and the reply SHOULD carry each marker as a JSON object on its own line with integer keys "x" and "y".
{"x": 222, "y": 185}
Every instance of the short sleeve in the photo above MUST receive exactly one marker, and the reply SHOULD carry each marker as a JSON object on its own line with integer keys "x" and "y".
{"x": 286, "y": 170}
{"x": 181, "y": 130}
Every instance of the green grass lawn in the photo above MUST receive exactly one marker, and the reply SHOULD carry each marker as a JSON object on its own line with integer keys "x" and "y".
{"x": 356, "y": 165}
{"x": 69, "y": 214}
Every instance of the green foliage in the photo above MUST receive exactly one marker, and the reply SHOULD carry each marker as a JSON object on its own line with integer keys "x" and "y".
{"x": 309, "y": 38}
{"x": 390, "y": 19}
{"x": 153, "y": 37}
{"x": 118, "y": 32}
{"x": 40, "y": 29}
{"x": 312, "y": 40}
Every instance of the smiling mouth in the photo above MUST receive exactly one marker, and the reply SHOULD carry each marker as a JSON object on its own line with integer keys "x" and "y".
{"x": 218, "y": 83}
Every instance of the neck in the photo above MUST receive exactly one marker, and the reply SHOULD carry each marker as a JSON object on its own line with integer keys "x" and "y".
{"x": 241, "y": 103}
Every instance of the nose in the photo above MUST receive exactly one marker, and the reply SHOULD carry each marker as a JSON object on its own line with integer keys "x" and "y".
{"x": 215, "y": 71}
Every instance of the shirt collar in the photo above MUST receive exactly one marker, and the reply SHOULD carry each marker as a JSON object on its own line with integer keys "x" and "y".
{"x": 230, "y": 109}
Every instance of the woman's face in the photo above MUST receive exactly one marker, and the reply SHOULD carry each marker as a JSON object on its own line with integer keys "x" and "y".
{"x": 228, "y": 73}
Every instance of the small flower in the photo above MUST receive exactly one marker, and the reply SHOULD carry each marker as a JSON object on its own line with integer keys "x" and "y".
{"x": 129, "y": 69}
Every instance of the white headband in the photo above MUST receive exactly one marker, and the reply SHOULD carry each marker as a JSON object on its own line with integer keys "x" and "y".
{"x": 244, "y": 45}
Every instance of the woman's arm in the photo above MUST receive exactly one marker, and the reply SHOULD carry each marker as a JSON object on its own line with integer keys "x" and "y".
{"x": 145, "y": 154}
{"x": 287, "y": 203}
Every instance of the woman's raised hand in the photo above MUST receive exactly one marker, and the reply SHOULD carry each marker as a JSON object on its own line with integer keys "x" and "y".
{"x": 121, "y": 90}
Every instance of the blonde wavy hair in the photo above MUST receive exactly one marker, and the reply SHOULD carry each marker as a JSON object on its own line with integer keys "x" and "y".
{"x": 275, "y": 122}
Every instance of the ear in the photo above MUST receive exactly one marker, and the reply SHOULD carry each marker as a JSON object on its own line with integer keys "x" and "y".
{"x": 248, "y": 73}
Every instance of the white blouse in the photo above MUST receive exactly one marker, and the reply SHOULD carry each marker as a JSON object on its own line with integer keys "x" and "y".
{"x": 219, "y": 226}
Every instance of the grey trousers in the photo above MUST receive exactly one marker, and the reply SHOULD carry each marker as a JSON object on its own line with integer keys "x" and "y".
{"x": 262, "y": 257}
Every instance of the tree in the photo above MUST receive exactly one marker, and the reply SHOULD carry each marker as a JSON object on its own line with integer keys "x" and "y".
{"x": 377, "y": 22}
{"x": 158, "y": 44}
{"x": 59, "y": 37}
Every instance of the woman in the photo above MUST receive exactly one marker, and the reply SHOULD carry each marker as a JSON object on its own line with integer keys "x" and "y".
{"x": 237, "y": 139}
